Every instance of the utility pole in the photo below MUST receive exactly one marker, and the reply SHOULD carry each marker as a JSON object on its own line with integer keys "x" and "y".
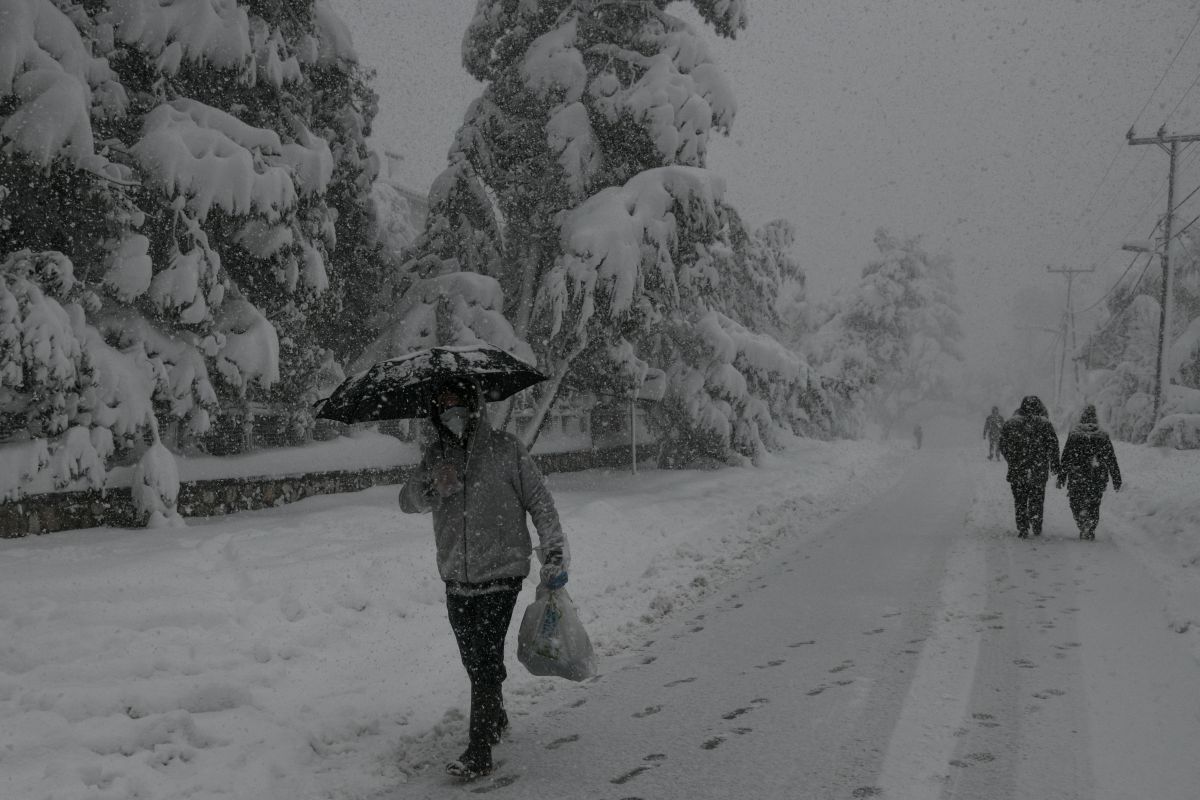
{"x": 1170, "y": 145}
{"x": 1068, "y": 331}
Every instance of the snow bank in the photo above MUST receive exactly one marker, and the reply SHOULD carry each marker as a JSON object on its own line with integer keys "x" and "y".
{"x": 1158, "y": 516}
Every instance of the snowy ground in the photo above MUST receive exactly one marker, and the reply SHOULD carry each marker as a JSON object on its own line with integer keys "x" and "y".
{"x": 303, "y": 651}
{"x": 850, "y": 621}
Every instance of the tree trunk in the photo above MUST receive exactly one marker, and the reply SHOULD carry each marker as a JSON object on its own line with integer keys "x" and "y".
{"x": 548, "y": 397}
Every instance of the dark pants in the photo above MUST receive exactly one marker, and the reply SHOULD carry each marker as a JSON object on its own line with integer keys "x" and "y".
{"x": 1085, "y": 506}
{"x": 480, "y": 623}
{"x": 993, "y": 447}
{"x": 1029, "y": 498}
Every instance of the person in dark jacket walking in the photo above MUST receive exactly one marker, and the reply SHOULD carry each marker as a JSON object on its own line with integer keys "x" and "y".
{"x": 1088, "y": 463}
{"x": 480, "y": 483}
{"x": 991, "y": 431}
{"x": 1030, "y": 446}
{"x": 918, "y": 434}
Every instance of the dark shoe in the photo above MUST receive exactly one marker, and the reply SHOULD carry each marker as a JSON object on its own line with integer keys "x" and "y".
{"x": 1022, "y": 534}
{"x": 1037, "y": 532}
{"x": 473, "y": 763}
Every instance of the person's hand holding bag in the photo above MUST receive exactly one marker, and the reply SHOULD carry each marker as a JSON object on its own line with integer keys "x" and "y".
{"x": 553, "y": 576}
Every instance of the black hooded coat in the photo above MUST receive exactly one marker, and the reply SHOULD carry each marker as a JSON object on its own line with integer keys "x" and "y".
{"x": 1088, "y": 459}
{"x": 1029, "y": 444}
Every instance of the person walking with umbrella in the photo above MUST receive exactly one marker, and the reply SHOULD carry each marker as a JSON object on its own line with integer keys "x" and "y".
{"x": 1030, "y": 446}
{"x": 480, "y": 484}
{"x": 1088, "y": 462}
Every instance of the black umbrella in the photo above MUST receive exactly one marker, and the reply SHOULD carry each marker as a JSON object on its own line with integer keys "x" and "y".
{"x": 403, "y": 387}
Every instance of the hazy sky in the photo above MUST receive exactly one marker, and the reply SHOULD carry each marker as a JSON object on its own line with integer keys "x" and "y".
{"x": 985, "y": 126}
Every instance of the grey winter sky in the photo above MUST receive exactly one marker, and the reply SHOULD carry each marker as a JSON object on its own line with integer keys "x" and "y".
{"x": 985, "y": 126}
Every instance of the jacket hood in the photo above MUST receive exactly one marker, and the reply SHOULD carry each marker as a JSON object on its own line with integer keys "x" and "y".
{"x": 995, "y": 409}
{"x": 1032, "y": 406}
{"x": 1088, "y": 417}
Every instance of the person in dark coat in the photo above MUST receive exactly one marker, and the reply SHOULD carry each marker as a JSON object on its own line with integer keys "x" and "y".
{"x": 1088, "y": 463}
{"x": 481, "y": 484}
{"x": 918, "y": 434}
{"x": 991, "y": 432}
{"x": 1030, "y": 446}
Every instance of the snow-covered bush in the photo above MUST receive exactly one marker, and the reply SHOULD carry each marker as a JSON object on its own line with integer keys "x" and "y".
{"x": 210, "y": 159}
{"x": 1179, "y": 423}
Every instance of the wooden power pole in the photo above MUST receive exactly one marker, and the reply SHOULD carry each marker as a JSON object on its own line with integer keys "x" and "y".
{"x": 1068, "y": 331}
{"x": 1170, "y": 145}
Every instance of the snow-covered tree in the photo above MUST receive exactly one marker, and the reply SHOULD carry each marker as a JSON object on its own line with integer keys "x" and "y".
{"x": 1122, "y": 354}
{"x": 577, "y": 181}
{"x": 189, "y": 147}
{"x": 894, "y": 340}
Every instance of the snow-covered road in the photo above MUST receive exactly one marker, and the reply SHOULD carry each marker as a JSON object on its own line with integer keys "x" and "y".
{"x": 916, "y": 649}
{"x": 847, "y": 620}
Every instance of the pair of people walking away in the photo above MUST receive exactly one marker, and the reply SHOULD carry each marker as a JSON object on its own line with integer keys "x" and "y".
{"x": 1030, "y": 446}
{"x": 1088, "y": 463}
{"x": 991, "y": 431}
{"x": 480, "y": 483}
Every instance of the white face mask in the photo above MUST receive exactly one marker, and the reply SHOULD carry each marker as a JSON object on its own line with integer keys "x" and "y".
{"x": 455, "y": 419}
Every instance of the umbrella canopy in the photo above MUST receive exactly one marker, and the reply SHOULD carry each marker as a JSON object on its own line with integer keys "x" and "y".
{"x": 403, "y": 387}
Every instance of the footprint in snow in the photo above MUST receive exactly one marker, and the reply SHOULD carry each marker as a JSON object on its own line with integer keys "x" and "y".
{"x": 647, "y": 711}
{"x": 816, "y": 691}
{"x": 873, "y": 632}
{"x": 842, "y": 667}
{"x": 867, "y": 791}
{"x": 557, "y": 743}
{"x": 802, "y": 644}
{"x": 648, "y": 660}
{"x": 1024, "y": 663}
{"x": 628, "y": 776}
{"x": 577, "y": 703}
{"x": 656, "y": 757}
{"x": 769, "y": 664}
{"x": 678, "y": 682}
{"x": 713, "y": 743}
{"x": 737, "y": 712}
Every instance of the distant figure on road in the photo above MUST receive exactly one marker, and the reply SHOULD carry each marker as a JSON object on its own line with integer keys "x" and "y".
{"x": 480, "y": 483}
{"x": 917, "y": 434}
{"x": 1088, "y": 462}
{"x": 1030, "y": 446}
{"x": 991, "y": 432}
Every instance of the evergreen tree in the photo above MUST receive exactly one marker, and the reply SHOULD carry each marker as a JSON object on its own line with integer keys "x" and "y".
{"x": 190, "y": 147}
{"x": 576, "y": 181}
{"x": 894, "y": 341}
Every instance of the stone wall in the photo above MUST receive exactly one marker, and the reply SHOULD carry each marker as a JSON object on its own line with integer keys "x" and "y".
{"x": 46, "y": 513}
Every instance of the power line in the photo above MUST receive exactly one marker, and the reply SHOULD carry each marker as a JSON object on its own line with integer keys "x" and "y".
{"x": 1117, "y": 282}
{"x": 1165, "y": 73}
{"x": 1116, "y": 154}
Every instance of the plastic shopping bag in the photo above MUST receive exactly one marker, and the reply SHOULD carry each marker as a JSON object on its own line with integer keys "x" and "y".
{"x": 552, "y": 641}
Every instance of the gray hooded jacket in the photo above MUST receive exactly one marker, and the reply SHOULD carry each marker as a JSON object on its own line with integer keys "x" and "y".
{"x": 480, "y": 530}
